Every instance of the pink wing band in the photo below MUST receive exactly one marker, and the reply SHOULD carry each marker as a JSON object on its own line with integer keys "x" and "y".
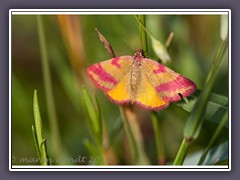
{"x": 102, "y": 74}
{"x": 178, "y": 83}
{"x": 160, "y": 69}
{"x": 115, "y": 62}
{"x": 97, "y": 84}
{"x": 176, "y": 97}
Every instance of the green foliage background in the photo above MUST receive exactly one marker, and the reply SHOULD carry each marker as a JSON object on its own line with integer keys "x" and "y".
{"x": 196, "y": 39}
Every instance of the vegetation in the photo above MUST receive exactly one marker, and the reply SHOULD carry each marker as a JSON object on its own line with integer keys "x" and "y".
{"x": 78, "y": 124}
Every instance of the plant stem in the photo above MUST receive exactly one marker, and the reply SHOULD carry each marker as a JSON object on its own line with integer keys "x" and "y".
{"x": 158, "y": 138}
{"x": 48, "y": 89}
{"x": 195, "y": 120}
{"x": 181, "y": 153}
{"x": 143, "y": 35}
{"x": 130, "y": 135}
{"x": 134, "y": 135}
{"x": 169, "y": 40}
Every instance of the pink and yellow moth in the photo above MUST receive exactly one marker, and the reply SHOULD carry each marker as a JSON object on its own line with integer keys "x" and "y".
{"x": 139, "y": 80}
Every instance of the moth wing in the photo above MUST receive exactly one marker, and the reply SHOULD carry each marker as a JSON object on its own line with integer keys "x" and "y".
{"x": 147, "y": 97}
{"x": 167, "y": 83}
{"x": 106, "y": 75}
{"x": 120, "y": 94}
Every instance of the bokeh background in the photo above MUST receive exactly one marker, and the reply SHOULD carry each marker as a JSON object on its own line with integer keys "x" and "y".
{"x": 73, "y": 45}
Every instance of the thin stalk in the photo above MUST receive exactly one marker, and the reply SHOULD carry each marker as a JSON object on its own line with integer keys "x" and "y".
{"x": 214, "y": 137}
{"x": 56, "y": 143}
{"x": 195, "y": 120}
{"x": 134, "y": 135}
{"x": 181, "y": 153}
{"x": 196, "y": 117}
{"x": 143, "y": 34}
{"x": 158, "y": 138}
{"x": 169, "y": 40}
{"x": 38, "y": 132}
{"x": 130, "y": 135}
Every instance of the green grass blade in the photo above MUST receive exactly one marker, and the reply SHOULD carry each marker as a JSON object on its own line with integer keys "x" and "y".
{"x": 159, "y": 48}
{"x": 198, "y": 111}
{"x": 100, "y": 122}
{"x": 181, "y": 153}
{"x": 55, "y": 136}
{"x": 36, "y": 141}
{"x": 94, "y": 116}
{"x": 95, "y": 122}
{"x": 196, "y": 118}
{"x": 130, "y": 136}
{"x": 38, "y": 126}
{"x": 158, "y": 138}
{"x": 137, "y": 148}
{"x": 115, "y": 130}
{"x": 37, "y": 117}
{"x": 143, "y": 35}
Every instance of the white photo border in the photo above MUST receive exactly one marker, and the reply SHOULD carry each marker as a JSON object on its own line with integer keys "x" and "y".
{"x": 119, "y": 12}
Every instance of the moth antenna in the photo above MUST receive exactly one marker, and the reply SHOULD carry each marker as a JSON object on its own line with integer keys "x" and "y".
{"x": 129, "y": 44}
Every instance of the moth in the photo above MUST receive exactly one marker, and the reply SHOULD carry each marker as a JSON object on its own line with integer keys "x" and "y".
{"x": 139, "y": 80}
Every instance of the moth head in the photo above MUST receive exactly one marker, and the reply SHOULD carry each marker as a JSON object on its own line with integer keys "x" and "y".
{"x": 139, "y": 54}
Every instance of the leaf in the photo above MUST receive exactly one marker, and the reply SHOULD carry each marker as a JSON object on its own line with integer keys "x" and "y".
{"x": 215, "y": 135}
{"x": 93, "y": 113}
{"x": 37, "y": 118}
{"x": 37, "y": 131}
{"x": 160, "y": 51}
{"x": 36, "y": 141}
{"x": 217, "y": 154}
{"x": 216, "y": 106}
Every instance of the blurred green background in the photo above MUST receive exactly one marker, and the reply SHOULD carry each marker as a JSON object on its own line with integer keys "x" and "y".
{"x": 73, "y": 45}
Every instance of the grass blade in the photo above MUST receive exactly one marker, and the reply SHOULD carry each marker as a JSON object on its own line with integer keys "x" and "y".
{"x": 134, "y": 136}
{"x": 93, "y": 114}
{"x": 158, "y": 138}
{"x": 183, "y": 152}
{"x": 141, "y": 19}
{"x": 159, "y": 48}
{"x": 195, "y": 120}
{"x": 37, "y": 134}
{"x": 95, "y": 122}
{"x": 197, "y": 114}
{"x": 36, "y": 141}
{"x": 55, "y": 136}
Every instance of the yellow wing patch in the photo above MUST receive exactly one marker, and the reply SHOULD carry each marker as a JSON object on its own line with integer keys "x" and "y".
{"x": 148, "y": 98}
{"x": 120, "y": 93}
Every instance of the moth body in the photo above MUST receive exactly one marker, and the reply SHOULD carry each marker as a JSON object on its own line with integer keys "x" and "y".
{"x": 135, "y": 78}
